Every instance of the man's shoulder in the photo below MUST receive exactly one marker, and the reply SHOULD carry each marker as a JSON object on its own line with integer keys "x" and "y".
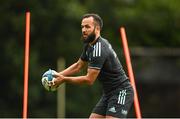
{"x": 104, "y": 41}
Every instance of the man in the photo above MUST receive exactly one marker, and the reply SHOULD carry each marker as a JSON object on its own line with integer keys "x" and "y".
{"x": 103, "y": 64}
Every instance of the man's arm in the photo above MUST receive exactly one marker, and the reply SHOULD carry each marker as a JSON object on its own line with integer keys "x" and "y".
{"x": 88, "y": 79}
{"x": 74, "y": 68}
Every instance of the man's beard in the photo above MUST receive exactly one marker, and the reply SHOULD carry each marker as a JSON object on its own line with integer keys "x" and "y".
{"x": 90, "y": 38}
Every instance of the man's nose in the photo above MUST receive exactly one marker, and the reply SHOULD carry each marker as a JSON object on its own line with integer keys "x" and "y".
{"x": 83, "y": 29}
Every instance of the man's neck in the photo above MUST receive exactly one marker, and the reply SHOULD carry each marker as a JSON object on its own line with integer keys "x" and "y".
{"x": 94, "y": 40}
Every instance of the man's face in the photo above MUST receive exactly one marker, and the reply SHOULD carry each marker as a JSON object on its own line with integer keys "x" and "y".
{"x": 88, "y": 28}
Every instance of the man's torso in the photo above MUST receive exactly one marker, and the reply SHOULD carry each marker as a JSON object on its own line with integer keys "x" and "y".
{"x": 101, "y": 56}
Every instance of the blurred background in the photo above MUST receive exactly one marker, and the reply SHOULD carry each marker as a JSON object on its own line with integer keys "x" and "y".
{"x": 153, "y": 32}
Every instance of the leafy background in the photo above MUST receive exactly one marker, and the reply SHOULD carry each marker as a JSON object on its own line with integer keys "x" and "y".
{"x": 55, "y": 32}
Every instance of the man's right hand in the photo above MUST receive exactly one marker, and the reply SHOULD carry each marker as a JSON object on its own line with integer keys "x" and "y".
{"x": 58, "y": 80}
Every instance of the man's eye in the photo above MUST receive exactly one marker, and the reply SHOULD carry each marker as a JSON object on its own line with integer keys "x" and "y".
{"x": 87, "y": 26}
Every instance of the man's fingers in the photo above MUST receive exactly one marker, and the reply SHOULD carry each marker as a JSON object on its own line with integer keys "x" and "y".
{"x": 55, "y": 74}
{"x": 50, "y": 83}
{"x": 53, "y": 81}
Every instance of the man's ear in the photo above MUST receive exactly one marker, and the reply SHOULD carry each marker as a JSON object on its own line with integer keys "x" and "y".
{"x": 98, "y": 29}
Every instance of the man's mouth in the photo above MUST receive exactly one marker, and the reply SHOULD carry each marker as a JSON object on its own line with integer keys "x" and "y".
{"x": 85, "y": 35}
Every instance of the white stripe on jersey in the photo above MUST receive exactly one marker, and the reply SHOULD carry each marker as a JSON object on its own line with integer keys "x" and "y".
{"x": 122, "y": 97}
{"x": 94, "y": 67}
{"x": 94, "y": 51}
{"x": 97, "y": 50}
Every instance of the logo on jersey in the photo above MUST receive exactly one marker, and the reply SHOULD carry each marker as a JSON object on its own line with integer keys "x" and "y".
{"x": 112, "y": 109}
{"x": 97, "y": 50}
{"x": 124, "y": 112}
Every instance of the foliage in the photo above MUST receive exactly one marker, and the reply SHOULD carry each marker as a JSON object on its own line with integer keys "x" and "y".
{"x": 55, "y": 32}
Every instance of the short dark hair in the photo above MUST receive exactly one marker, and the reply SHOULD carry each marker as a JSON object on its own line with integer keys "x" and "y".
{"x": 96, "y": 18}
